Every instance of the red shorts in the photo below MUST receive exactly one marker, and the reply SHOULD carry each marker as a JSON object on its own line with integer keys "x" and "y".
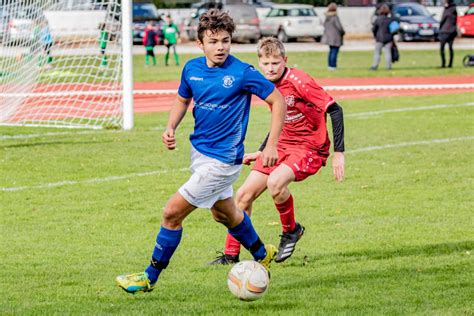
{"x": 303, "y": 162}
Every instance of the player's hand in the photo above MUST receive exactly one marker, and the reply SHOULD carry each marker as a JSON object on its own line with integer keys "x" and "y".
{"x": 179, "y": 40}
{"x": 248, "y": 158}
{"x": 168, "y": 139}
{"x": 269, "y": 156}
{"x": 338, "y": 165}
{"x": 165, "y": 42}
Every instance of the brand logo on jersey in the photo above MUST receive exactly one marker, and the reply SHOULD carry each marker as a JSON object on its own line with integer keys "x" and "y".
{"x": 290, "y": 100}
{"x": 196, "y": 78}
{"x": 228, "y": 81}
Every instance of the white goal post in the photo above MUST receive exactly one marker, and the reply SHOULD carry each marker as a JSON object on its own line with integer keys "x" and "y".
{"x": 66, "y": 63}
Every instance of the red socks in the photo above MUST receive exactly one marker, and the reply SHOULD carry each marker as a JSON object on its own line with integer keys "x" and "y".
{"x": 232, "y": 246}
{"x": 287, "y": 215}
{"x": 288, "y": 224}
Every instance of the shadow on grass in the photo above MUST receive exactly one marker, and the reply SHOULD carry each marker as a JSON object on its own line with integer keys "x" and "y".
{"x": 424, "y": 250}
{"x": 382, "y": 254}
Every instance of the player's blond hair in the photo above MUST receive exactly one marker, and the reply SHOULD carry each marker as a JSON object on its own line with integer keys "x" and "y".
{"x": 270, "y": 46}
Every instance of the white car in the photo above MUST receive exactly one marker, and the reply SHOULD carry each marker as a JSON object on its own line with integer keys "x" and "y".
{"x": 291, "y": 21}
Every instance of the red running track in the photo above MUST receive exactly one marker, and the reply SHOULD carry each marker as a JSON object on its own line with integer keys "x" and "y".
{"x": 163, "y": 102}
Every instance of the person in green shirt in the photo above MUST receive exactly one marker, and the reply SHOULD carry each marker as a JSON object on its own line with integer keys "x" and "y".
{"x": 171, "y": 38}
{"x": 103, "y": 39}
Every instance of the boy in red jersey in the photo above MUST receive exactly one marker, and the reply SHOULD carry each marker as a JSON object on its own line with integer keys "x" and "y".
{"x": 303, "y": 147}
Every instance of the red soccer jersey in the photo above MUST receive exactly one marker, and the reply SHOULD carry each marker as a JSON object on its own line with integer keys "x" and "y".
{"x": 305, "y": 122}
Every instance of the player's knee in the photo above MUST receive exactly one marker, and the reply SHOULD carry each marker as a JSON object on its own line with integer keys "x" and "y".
{"x": 244, "y": 199}
{"x": 220, "y": 217}
{"x": 274, "y": 186}
{"x": 171, "y": 217}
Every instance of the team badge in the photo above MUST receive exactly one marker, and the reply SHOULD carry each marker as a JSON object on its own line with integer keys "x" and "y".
{"x": 290, "y": 100}
{"x": 228, "y": 81}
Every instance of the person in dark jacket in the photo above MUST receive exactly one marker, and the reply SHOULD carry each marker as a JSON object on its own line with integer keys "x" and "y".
{"x": 383, "y": 37}
{"x": 448, "y": 31}
{"x": 333, "y": 34}
{"x": 150, "y": 40}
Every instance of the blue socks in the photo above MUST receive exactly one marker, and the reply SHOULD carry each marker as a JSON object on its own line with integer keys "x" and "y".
{"x": 247, "y": 236}
{"x": 167, "y": 241}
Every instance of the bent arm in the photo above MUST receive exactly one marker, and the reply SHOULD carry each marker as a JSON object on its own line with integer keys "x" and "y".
{"x": 337, "y": 119}
{"x": 177, "y": 113}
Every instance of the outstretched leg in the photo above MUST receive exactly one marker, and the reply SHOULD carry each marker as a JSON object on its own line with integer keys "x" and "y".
{"x": 292, "y": 231}
{"x": 167, "y": 241}
{"x": 241, "y": 228}
{"x": 253, "y": 187}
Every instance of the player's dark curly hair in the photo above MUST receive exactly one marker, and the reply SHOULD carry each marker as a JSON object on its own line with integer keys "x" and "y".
{"x": 215, "y": 20}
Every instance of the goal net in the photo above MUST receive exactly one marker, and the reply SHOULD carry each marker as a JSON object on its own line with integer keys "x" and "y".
{"x": 62, "y": 63}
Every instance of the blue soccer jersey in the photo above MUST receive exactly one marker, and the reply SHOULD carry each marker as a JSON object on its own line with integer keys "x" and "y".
{"x": 222, "y": 98}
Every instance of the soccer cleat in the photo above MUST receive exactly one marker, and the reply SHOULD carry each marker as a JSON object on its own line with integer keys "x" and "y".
{"x": 271, "y": 253}
{"x": 133, "y": 283}
{"x": 224, "y": 259}
{"x": 288, "y": 242}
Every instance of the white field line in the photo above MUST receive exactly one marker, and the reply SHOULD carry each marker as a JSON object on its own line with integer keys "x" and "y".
{"x": 361, "y": 114}
{"x": 48, "y": 134}
{"x": 409, "y": 109}
{"x": 407, "y": 144}
{"x": 173, "y": 91}
{"x": 401, "y": 87}
{"x": 93, "y": 181}
{"x": 350, "y": 88}
{"x": 158, "y": 172}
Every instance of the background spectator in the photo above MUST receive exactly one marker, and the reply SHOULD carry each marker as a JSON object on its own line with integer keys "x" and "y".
{"x": 333, "y": 34}
{"x": 383, "y": 38}
{"x": 150, "y": 40}
{"x": 448, "y": 31}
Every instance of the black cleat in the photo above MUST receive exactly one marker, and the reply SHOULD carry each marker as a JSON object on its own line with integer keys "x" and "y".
{"x": 288, "y": 242}
{"x": 224, "y": 259}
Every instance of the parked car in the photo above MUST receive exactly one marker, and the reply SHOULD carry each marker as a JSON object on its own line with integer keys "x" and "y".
{"x": 20, "y": 24}
{"x": 292, "y": 21}
{"x": 416, "y": 23}
{"x": 3, "y": 23}
{"x": 466, "y": 22}
{"x": 247, "y": 24}
{"x": 143, "y": 13}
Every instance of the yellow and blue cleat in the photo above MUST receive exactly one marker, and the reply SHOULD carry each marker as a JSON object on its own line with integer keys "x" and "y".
{"x": 133, "y": 283}
{"x": 271, "y": 254}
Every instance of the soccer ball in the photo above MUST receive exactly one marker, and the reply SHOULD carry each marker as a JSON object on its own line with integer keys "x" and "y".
{"x": 248, "y": 280}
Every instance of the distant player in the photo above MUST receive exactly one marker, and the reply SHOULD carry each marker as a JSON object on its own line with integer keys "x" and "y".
{"x": 150, "y": 40}
{"x": 303, "y": 147}
{"x": 171, "y": 38}
{"x": 47, "y": 42}
{"x": 221, "y": 87}
{"x": 103, "y": 40}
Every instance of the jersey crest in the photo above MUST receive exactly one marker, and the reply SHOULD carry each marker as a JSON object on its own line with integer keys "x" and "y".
{"x": 290, "y": 100}
{"x": 228, "y": 81}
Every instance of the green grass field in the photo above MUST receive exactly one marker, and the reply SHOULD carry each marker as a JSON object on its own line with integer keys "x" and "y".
{"x": 350, "y": 64}
{"x": 396, "y": 237}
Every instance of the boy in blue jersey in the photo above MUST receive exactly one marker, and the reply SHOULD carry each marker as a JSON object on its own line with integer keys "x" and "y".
{"x": 221, "y": 87}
